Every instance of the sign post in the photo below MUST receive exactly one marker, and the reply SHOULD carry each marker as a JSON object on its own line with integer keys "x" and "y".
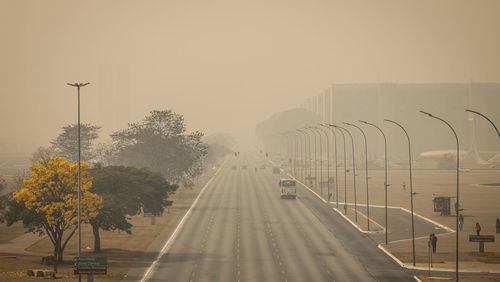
{"x": 90, "y": 266}
{"x": 482, "y": 239}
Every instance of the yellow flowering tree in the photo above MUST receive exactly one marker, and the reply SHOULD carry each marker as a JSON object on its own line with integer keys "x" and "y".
{"x": 47, "y": 202}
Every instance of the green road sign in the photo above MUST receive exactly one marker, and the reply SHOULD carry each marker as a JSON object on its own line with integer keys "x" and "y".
{"x": 94, "y": 265}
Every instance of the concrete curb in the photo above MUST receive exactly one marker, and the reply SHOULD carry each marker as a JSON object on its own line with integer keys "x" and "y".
{"x": 402, "y": 264}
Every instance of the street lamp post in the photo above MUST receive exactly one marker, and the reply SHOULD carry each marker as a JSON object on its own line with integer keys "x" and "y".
{"x": 296, "y": 144}
{"x": 78, "y": 86}
{"x": 288, "y": 155}
{"x": 327, "y": 162}
{"x": 301, "y": 153}
{"x": 353, "y": 172}
{"x": 458, "y": 190}
{"x": 315, "y": 158}
{"x": 411, "y": 187}
{"x": 366, "y": 173}
{"x": 306, "y": 156}
{"x": 309, "y": 152}
{"x": 336, "y": 163}
{"x": 297, "y": 158}
{"x": 345, "y": 169}
{"x": 489, "y": 120}
{"x": 385, "y": 173}
{"x": 291, "y": 155}
{"x": 314, "y": 129}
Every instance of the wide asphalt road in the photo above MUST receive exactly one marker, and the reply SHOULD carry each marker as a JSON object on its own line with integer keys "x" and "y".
{"x": 240, "y": 230}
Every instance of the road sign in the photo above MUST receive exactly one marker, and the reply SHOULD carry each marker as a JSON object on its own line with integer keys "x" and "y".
{"x": 482, "y": 238}
{"x": 90, "y": 265}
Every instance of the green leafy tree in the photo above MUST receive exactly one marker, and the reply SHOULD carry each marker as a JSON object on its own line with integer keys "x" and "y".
{"x": 66, "y": 143}
{"x": 126, "y": 191}
{"x": 160, "y": 143}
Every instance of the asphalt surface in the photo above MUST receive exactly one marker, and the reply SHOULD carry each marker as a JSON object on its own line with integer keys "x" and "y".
{"x": 240, "y": 230}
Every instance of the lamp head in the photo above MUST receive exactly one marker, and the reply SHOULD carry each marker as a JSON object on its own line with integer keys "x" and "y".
{"x": 426, "y": 113}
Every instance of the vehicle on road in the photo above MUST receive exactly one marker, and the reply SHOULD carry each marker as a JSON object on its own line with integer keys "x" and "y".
{"x": 288, "y": 189}
{"x": 276, "y": 170}
{"x": 244, "y": 167}
{"x": 233, "y": 167}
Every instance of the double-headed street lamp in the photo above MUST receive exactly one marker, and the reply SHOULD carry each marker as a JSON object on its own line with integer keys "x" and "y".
{"x": 366, "y": 173}
{"x": 78, "y": 86}
{"x": 411, "y": 187}
{"x": 458, "y": 190}
{"x": 385, "y": 173}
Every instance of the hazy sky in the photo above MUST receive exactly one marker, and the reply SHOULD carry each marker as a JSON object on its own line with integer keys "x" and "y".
{"x": 224, "y": 64}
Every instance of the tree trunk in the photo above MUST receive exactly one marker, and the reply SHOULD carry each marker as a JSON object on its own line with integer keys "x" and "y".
{"x": 97, "y": 238}
{"x": 55, "y": 259}
{"x": 61, "y": 252}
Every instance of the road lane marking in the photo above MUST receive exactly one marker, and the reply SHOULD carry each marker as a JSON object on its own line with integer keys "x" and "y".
{"x": 170, "y": 240}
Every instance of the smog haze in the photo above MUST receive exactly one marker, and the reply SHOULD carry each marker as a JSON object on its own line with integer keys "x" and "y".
{"x": 224, "y": 65}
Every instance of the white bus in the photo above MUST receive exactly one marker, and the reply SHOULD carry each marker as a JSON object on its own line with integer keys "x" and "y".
{"x": 288, "y": 189}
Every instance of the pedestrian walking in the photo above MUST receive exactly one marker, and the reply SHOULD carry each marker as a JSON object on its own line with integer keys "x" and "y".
{"x": 434, "y": 240}
{"x": 404, "y": 185}
{"x": 478, "y": 228}
{"x": 461, "y": 222}
{"x": 498, "y": 225}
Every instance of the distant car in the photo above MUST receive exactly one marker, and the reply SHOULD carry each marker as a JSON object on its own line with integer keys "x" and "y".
{"x": 233, "y": 167}
{"x": 244, "y": 167}
{"x": 276, "y": 170}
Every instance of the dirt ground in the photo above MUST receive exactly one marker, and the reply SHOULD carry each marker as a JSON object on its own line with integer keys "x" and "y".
{"x": 122, "y": 250}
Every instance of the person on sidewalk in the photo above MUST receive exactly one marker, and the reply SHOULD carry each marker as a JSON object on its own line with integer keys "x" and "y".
{"x": 478, "y": 229}
{"x": 461, "y": 222}
{"x": 434, "y": 240}
{"x": 498, "y": 225}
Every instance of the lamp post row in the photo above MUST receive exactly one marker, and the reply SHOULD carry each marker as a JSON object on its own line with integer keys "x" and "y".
{"x": 318, "y": 130}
